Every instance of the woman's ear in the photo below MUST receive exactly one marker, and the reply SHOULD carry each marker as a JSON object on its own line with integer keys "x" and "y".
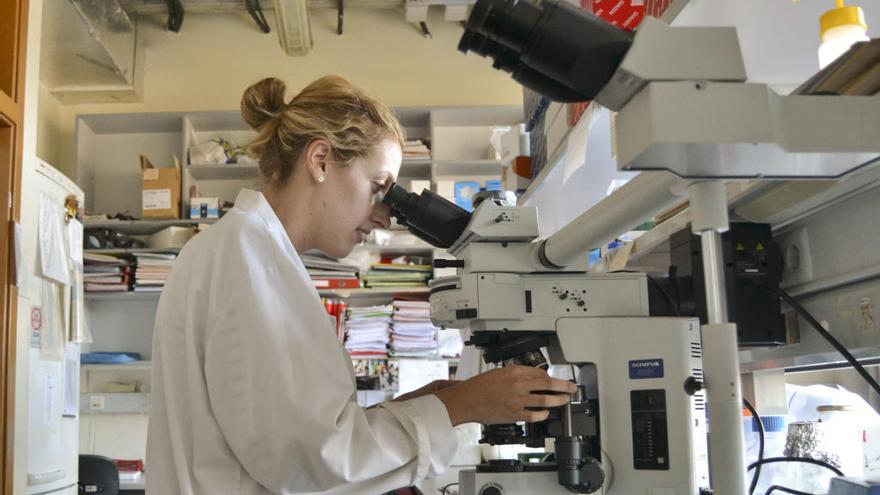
{"x": 317, "y": 155}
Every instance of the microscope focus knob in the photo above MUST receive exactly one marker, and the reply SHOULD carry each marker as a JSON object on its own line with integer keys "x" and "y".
{"x": 491, "y": 489}
{"x": 692, "y": 385}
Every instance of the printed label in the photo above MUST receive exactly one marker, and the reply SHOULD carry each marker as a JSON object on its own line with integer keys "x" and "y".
{"x": 151, "y": 174}
{"x": 645, "y": 368}
{"x": 157, "y": 199}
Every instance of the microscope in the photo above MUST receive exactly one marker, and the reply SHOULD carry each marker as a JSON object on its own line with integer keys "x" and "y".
{"x": 639, "y": 418}
{"x": 688, "y": 119}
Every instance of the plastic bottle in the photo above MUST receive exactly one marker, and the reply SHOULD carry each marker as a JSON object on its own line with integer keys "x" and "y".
{"x": 840, "y": 28}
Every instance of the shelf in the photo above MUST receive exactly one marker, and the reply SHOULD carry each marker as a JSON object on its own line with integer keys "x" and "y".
{"x": 377, "y": 292}
{"x": 122, "y": 296}
{"x": 654, "y": 238}
{"x": 224, "y": 172}
{"x": 134, "y": 366}
{"x": 133, "y": 251}
{"x": 115, "y": 403}
{"x": 415, "y": 167}
{"x": 466, "y": 168}
{"x": 145, "y": 227}
{"x": 424, "y": 248}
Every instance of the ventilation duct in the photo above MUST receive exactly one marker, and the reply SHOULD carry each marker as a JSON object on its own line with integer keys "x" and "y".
{"x": 91, "y": 52}
{"x": 294, "y": 26}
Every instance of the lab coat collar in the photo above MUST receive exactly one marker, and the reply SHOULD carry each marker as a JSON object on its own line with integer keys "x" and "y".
{"x": 254, "y": 202}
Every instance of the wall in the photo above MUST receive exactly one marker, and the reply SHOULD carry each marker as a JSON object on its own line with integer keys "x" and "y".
{"x": 50, "y": 120}
{"x": 29, "y": 150}
{"x": 215, "y": 57}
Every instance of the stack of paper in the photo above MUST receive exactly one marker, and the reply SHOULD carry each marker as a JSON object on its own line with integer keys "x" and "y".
{"x": 397, "y": 275}
{"x": 327, "y": 273}
{"x": 412, "y": 333}
{"x": 451, "y": 343}
{"x": 367, "y": 332}
{"x": 151, "y": 271}
{"x": 416, "y": 149}
{"x": 104, "y": 273}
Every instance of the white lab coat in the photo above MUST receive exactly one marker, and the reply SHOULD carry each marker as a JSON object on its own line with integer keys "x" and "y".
{"x": 252, "y": 393}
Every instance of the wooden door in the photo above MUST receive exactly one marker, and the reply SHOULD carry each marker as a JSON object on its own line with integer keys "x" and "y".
{"x": 13, "y": 36}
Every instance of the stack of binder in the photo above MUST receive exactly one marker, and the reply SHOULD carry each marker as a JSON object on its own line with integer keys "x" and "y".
{"x": 397, "y": 275}
{"x": 104, "y": 273}
{"x": 327, "y": 273}
{"x": 416, "y": 149}
{"x": 151, "y": 271}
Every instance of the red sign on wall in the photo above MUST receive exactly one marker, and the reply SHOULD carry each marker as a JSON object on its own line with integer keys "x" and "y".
{"x": 625, "y": 14}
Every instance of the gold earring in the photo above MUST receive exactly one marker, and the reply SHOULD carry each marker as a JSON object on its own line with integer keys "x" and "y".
{"x": 321, "y": 179}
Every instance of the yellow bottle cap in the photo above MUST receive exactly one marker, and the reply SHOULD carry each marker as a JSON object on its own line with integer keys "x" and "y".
{"x": 848, "y": 15}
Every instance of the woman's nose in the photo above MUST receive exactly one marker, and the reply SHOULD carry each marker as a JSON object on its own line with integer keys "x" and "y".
{"x": 382, "y": 216}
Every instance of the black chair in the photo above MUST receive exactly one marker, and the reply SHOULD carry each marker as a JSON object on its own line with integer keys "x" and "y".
{"x": 98, "y": 474}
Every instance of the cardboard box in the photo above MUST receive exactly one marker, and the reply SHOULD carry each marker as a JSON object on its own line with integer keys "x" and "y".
{"x": 160, "y": 191}
{"x": 204, "y": 207}
{"x": 170, "y": 238}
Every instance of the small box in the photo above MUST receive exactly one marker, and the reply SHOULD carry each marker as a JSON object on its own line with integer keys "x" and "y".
{"x": 204, "y": 207}
{"x": 417, "y": 186}
{"x": 170, "y": 238}
{"x": 464, "y": 193}
{"x": 160, "y": 191}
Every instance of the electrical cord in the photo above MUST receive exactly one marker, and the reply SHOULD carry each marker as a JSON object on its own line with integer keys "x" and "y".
{"x": 805, "y": 460}
{"x": 446, "y": 487}
{"x": 760, "y": 422}
{"x": 777, "y": 488}
{"x": 827, "y": 336}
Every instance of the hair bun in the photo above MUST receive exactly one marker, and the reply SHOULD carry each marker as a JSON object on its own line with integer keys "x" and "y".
{"x": 263, "y": 102}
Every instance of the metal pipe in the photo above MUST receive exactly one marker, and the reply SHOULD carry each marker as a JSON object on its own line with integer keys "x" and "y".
{"x": 720, "y": 357}
{"x": 713, "y": 272}
{"x": 642, "y": 197}
{"x": 567, "y": 428}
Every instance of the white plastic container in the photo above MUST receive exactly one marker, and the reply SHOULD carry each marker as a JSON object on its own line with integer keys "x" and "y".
{"x": 775, "y": 433}
{"x": 838, "y": 40}
{"x": 840, "y": 28}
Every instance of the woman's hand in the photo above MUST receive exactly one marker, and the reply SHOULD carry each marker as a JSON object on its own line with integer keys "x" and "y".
{"x": 427, "y": 389}
{"x": 503, "y": 395}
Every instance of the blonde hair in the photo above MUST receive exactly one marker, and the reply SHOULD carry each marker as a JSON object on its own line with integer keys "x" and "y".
{"x": 330, "y": 108}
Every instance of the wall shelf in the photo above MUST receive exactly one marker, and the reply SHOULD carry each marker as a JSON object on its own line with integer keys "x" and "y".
{"x": 144, "y": 227}
{"x": 133, "y": 366}
{"x": 122, "y": 296}
{"x": 466, "y": 168}
{"x": 376, "y": 292}
{"x": 224, "y": 172}
{"x": 124, "y": 403}
{"x": 422, "y": 249}
{"x": 133, "y": 251}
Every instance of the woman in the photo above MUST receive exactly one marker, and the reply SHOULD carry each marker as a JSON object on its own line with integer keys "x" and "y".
{"x": 252, "y": 394}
